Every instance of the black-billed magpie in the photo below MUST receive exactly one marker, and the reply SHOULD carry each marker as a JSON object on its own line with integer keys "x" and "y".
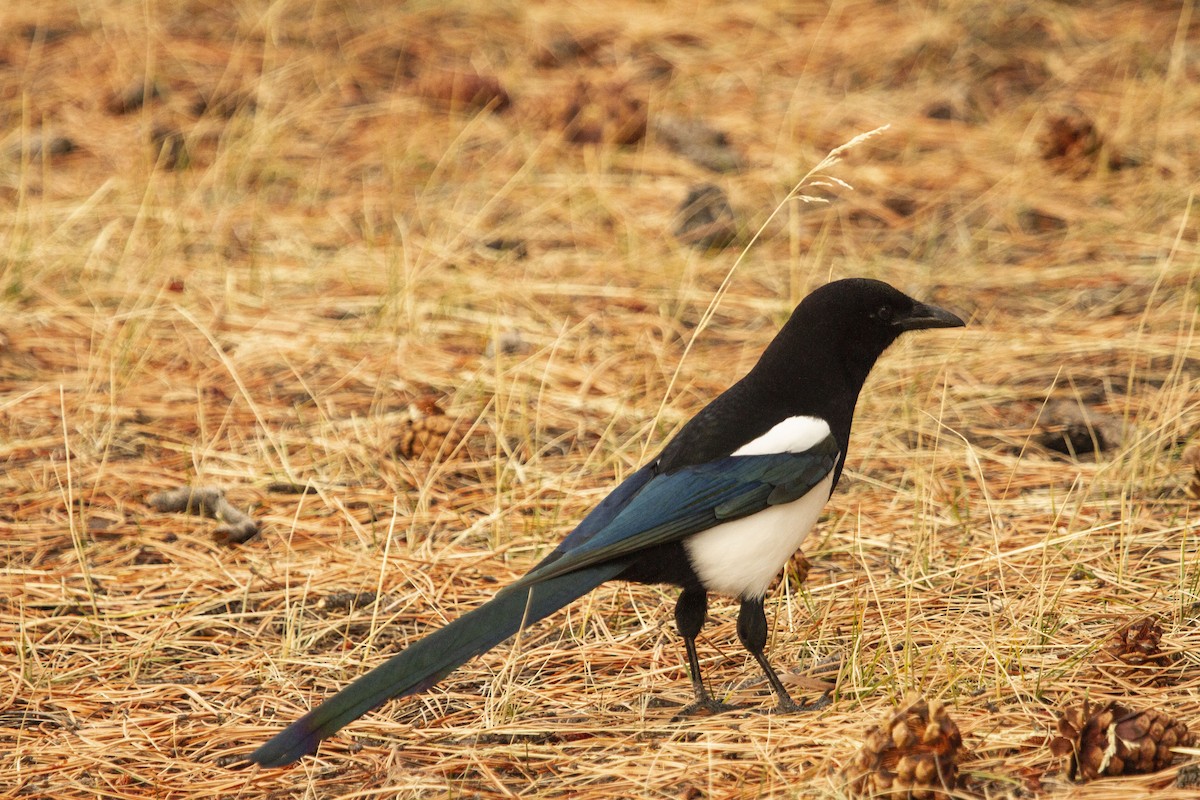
{"x": 721, "y": 509}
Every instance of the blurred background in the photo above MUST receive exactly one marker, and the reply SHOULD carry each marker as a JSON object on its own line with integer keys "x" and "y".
{"x": 413, "y": 284}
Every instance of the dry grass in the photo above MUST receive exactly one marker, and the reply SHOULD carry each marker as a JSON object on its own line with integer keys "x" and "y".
{"x": 257, "y": 305}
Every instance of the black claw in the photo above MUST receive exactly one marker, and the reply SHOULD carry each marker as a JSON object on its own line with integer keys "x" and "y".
{"x": 790, "y": 706}
{"x": 703, "y": 708}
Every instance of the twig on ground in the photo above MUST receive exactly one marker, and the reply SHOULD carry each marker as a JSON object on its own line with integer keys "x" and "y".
{"x": 236, "y": 527}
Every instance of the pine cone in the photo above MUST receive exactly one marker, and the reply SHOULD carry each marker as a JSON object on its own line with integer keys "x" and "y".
{"x": 1111, "y": 740}
{"x": 913, "y": 755}
{"x": 430, "y": 437}
{"x": 1134, "y": 651}
{"x": 430, "y": 433}
{"x": 1070, "y": 134}
{"x": 611, "y": 112}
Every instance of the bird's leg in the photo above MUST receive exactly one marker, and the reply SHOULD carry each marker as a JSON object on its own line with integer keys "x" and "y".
{"x": 690, "y": 611}
{"x": 752, "y": 630}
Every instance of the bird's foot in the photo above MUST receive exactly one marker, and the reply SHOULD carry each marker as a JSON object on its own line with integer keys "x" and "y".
{"x": 790, "y": 706}
{"x": 703, "y": 708}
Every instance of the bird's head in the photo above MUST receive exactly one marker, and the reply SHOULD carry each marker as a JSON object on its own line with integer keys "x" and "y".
{"x": 849, "y": 323}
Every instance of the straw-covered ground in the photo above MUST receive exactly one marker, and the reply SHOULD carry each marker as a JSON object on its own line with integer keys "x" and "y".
{"x": 258, "y": 246}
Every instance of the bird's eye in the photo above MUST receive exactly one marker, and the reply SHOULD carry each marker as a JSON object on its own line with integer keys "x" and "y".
{"x": 884, "y": 314}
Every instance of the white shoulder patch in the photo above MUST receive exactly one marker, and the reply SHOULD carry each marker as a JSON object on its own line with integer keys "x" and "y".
{"x": 793, "y": 435}
{"x": 741, "y": 557}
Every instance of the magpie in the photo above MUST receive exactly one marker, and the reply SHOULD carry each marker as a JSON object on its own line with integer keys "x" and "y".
{"x": 721, "y": 508}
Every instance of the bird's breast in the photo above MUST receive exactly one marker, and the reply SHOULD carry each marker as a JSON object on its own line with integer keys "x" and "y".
{"x": 740, "y": 558}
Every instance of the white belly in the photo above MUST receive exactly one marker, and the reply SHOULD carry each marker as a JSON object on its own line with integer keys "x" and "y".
{"x": 740, "y": 558}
